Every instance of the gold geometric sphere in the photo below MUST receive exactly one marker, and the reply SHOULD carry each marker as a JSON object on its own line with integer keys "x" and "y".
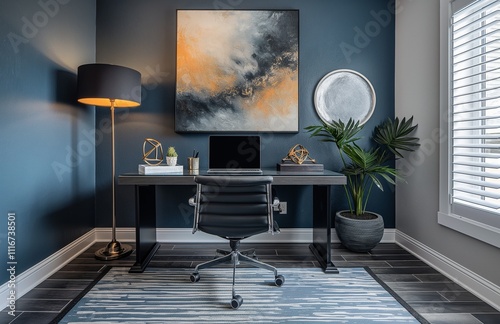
{"x": 298, "y": 154}
{"x": 153, "y": 147}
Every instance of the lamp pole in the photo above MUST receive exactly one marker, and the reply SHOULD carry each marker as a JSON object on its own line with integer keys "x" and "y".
{"x": 112, "y": 109}
{"x": 114, "y": 249}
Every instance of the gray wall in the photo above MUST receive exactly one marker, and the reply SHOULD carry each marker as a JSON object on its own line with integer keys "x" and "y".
{"x": 142, "y": 35}
{"x": 46, "y": 140}
{"x": 417, "y": 92}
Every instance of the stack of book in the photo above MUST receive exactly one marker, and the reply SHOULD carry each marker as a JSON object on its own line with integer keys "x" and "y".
{"x": 160, "y": 169}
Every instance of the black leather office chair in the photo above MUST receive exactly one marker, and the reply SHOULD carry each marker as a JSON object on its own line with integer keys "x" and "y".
{"x": 234, "y": 208}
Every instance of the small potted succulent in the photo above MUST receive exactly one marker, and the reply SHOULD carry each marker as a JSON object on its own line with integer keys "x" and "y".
{"x": 171, "y": 156}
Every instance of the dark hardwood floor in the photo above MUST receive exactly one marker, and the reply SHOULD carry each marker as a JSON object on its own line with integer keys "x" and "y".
{"x": 431, "y": 294}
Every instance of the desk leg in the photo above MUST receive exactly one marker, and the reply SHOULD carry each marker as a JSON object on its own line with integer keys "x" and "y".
{"x": 322, "y": 228}
{"x": 145, "y": 227}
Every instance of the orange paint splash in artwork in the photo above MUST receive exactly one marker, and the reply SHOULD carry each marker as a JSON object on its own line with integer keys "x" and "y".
{"x": 278, "y": 97}
{"x": 197, "y": 71}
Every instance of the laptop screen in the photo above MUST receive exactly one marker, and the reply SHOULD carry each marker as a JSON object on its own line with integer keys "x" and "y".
{"x": 234, "y": 152}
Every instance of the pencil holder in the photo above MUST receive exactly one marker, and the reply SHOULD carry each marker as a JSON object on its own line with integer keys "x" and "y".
{"x": 193, "y": 163}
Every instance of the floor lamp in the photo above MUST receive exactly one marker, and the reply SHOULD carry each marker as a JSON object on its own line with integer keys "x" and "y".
{"x": 111, "y": 86}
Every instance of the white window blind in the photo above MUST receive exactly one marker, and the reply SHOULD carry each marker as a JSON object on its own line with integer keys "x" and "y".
{"x": 475, "y": 111}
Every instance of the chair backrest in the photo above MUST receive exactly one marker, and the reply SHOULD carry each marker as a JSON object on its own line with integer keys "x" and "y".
{"x": 233, "y": 207}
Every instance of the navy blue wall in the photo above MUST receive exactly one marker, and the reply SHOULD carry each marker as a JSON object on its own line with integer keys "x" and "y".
{"x": 334, "y": 34}
{"x": 47, "y": 159}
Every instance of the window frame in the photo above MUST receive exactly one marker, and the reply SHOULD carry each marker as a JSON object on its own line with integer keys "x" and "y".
{"x": 470, "y": 221}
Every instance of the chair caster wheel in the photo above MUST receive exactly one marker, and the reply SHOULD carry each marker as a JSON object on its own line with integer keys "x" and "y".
{"x": 195, "y": 277}
{"x": 279, "y": 280}
{"x": 236, "y": 301}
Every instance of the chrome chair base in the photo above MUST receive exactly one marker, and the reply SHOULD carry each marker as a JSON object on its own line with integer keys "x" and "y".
{"x": 235, "y": 256}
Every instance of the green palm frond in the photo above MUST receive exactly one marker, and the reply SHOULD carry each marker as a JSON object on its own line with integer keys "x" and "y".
{"x": 395, "y": 135}
{"x": 369, "y": 164}
{"x": 360, "y": 158}
{"x": 347, "y": 132}
{"x": 338, "y": 132}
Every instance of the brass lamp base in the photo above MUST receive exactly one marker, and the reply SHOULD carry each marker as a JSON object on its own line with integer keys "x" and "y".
{"x": 114, "y": 250}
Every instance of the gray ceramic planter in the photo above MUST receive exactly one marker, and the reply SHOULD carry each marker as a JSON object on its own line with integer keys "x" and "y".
{"x": 359, "y": 235}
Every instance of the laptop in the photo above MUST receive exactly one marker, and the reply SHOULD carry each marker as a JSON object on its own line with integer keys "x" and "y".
{"x": 229, "y": 154}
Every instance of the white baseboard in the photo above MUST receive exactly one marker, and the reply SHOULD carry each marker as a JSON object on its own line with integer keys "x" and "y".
{"x": 389, "y": 235}
{"x": 479, "y": 286}
{"x": 184, "y": 235}
{"x": 126, "y": 234}
{"x": 32, "y": 277}
{"x": 287, "y": 235}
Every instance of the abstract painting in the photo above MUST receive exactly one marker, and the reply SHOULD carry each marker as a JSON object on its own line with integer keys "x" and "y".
{"x": 237, "y": 70}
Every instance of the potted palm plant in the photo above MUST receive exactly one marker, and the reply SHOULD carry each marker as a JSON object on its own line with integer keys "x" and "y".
{"x": 358, "y": 229}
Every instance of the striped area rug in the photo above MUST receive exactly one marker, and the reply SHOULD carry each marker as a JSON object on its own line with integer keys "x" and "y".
{"x": 308, "y": 296}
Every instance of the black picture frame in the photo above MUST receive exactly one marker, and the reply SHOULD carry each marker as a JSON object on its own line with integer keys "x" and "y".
{"x": 237, "y": 71}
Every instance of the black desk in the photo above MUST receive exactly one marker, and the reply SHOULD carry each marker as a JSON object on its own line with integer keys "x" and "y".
{"x": 145, "y": 221}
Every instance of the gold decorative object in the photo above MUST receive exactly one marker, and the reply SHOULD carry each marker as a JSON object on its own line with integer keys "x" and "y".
{"x": 156, "y": 148}
{"x": 298, "y": 155}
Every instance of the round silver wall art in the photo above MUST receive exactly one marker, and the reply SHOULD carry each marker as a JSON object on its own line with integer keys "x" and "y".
{"x": 344, "y": 94}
